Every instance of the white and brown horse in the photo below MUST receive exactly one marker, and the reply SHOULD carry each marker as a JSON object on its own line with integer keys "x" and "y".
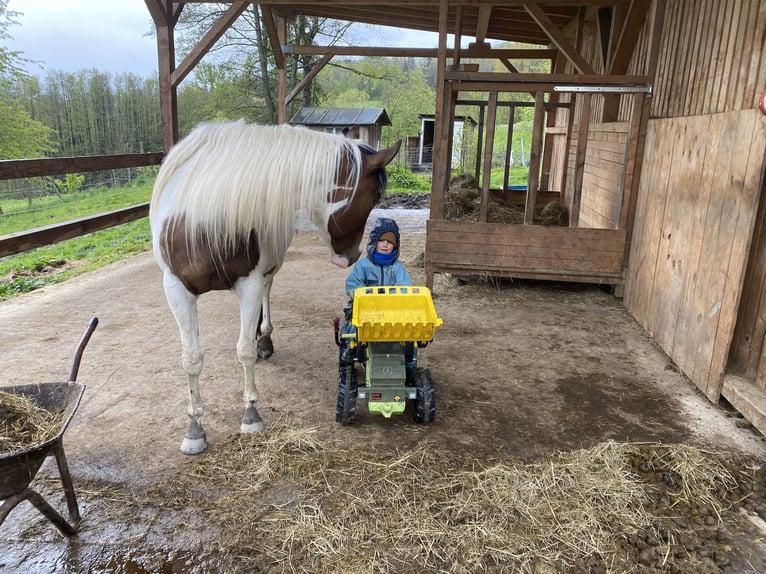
{"x": 223, "y": 215}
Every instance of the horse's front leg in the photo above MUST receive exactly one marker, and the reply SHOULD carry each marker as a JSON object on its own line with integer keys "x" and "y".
{"x": 249, "y": 290}
{"x": 184, "y": 308}
{"x": 265, "y": 344}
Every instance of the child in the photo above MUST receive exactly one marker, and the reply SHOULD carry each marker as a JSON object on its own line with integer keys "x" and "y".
{"x": 381, "y": 267}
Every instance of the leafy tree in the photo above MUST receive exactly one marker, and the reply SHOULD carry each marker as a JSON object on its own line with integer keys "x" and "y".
{"x": 246, "y": 52}
{"x": 20, "y": 135}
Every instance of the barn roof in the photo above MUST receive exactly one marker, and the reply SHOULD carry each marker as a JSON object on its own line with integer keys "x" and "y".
{"x": 504, "y": 20}
{"x": 341, "y": 117}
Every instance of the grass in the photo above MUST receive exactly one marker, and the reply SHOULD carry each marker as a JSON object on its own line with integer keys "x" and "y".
{"x": 55, "y": 263}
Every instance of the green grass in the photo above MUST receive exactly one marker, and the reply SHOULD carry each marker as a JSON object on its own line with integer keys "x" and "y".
{"x": 55, "y": 263}
{"x": 20, "y": 215}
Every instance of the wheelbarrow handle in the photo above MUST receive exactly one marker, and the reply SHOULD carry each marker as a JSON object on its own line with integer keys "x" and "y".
{"x": 92, "y": 324}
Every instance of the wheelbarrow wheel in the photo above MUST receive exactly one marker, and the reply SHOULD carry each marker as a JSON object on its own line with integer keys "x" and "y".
{"x": 348, "y": 388}
{"x": 424, "y": 404}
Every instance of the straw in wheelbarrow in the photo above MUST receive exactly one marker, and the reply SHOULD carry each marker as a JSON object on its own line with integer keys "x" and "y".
{"x": 23, "y": 424}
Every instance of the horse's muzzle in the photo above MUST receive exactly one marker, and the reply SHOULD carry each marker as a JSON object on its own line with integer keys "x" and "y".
{"x": 340, "y": 260}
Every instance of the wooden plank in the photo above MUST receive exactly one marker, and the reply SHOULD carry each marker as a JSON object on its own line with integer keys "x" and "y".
{"x": 486, "y": 172}
{"x": 646, "y": 238}
{"x": 522, "y": 247}
{"x": 24, "y": 241}
{"x": 752, "y": 88}
{"x": 21, "y": 168}
{"x": 535, "y": 157}
{"x": 727, "y": 69}
{"x": 746, "y": 172}
{"x": 747, "y": 347}
{"x": 747, "y": 398}
{"x": 673, "y": 258}
{"x": 694, "y": 181}
{"x": 579, "y": 162}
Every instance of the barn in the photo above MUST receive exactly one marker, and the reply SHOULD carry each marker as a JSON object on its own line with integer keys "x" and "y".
{"x": 647, "y": 129}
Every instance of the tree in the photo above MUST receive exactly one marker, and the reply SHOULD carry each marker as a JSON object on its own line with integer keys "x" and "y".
{"x": 20, "y": 136}
{"x": 247, "y": 54}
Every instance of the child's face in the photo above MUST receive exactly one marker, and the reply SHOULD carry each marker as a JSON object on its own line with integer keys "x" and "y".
{"x": 385, "y": 246}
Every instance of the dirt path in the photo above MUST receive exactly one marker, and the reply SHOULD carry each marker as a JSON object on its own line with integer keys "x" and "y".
{"x": 520, "y": 369}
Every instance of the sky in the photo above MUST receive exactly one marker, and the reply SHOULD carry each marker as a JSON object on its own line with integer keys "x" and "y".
{"x": 72, "y": 35}
{"x": 113, "y": 36}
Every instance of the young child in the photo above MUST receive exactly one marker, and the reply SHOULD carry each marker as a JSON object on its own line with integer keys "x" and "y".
{"x": 381, "y": 267}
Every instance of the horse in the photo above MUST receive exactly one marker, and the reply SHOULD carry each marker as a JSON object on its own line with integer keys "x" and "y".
{"x": 222, "y": 216}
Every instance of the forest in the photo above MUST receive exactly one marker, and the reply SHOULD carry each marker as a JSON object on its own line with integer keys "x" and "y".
{"x": 92, "y": 112}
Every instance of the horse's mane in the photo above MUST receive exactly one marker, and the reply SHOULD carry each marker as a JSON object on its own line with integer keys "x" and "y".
{"x": 230, "y": 178}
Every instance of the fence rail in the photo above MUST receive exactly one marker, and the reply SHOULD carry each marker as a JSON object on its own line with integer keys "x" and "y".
{"x": 21, "y": 168}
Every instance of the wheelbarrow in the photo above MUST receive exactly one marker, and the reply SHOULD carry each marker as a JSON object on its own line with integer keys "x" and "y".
{"x": 19, "y": 468}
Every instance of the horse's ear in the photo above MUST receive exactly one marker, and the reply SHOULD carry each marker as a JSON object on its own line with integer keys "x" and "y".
{"x": 382, "y": 158}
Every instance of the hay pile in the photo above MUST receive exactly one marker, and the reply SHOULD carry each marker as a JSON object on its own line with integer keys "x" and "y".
{"x": 461, "y": 203}
{"x": 305, "y": 505}
{"x": 23, "y": 424}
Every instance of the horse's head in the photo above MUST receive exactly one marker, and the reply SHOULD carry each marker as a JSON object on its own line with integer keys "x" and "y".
{"x": 348, "y": 209}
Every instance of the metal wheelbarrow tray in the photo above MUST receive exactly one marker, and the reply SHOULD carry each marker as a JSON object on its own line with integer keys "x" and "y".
{"x": 19, "y": 468}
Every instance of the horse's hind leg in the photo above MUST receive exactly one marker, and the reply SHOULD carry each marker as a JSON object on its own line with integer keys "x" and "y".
{"x": 249, "y": 291}
{"x": 265, "y": 345}
{"x": 184, "y": 307}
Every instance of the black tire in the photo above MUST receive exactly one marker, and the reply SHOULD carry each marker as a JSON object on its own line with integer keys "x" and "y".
{"x": 348, "y": 388}
{"x": 424, "y": 404}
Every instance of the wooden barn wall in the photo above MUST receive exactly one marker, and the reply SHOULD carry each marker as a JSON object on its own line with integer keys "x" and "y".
{"x": 700, "y": 183}
{"x": 695, "y": 215}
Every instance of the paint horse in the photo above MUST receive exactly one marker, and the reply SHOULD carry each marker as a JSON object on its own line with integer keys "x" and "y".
{"x": 223, "y": 215}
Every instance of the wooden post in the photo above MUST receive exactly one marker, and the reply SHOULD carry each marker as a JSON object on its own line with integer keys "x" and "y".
{"x": 488, "y": 149}
{"x": 166, "y": 53}
{"x": 509, "y": 147}
{"x": 582, "y": 148}
{"x": 538, "y": 125}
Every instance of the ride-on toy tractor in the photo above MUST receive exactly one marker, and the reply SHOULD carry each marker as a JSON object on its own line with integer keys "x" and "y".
{"x": 384, "y": 322}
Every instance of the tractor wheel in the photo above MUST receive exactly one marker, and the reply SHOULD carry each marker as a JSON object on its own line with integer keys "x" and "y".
{"x": 424, "y": 405}
{"x": 345, "y": 409}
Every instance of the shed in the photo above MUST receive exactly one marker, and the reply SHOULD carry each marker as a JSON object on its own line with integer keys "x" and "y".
{"x": 365, "y": 124}
{"x": 647, "y": 123}
{"x": 420, "y": 149}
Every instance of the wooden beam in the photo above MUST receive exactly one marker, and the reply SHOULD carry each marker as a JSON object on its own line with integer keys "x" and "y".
{"x": 551, "y": 80}
{"x": 561, "y": 42}
{"x": 274, "y": 37}
{"x": 486, "y": 172}
{"x": 207, "y": 42}
{"x": 626, "y": 43}
{"x": 535, "y": 156}
{"x": 310, "y": 76}
{"x": 472, "y": 51}
{"x": 42, "y": 236}
{"x": 482, "y": 23}
{"x": 579, "y": 167}
{"x": 21, "y": 168}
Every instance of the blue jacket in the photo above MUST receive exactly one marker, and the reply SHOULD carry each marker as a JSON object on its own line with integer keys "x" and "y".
{"x": 367, "y": 273}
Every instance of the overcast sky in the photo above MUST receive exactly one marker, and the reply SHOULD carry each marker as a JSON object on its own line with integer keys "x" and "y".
{"x": 111, "y": 36}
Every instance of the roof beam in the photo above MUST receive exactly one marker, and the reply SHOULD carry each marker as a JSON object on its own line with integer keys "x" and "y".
{"x": 561, "y": 42}
{"x": 208, "y": 41}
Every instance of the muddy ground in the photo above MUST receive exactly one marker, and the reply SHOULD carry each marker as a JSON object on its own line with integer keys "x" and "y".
{"x": 521, "y": 369}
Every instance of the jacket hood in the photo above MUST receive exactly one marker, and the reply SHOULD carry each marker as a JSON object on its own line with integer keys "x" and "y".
{"x": 381, "y": 225}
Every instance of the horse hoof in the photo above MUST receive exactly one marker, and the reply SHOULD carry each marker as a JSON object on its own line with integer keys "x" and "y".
{"x": 193, "y": 445}
{"x": 252, "y": 427}
{"x": 265, "y": 348}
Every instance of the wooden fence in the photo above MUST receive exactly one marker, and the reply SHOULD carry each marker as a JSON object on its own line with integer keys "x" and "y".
{"x": 16, "y": 169}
